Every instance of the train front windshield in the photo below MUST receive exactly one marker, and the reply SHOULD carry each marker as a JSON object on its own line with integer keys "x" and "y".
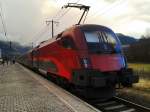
{"x": 102, "y": 42}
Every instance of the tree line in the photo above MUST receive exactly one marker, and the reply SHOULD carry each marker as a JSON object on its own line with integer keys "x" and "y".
{"x": 139, "y": 51}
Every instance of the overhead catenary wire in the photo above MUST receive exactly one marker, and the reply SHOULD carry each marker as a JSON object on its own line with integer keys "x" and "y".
{"x": 40, "y": 33}
{"x": 64, "y": 12}
{"x": 77, "y": 1}
{"x": 106, "y": 10}
{"x": 43, "y": 30}
{"x": 59, "y": 11}
{"x": 3, "y": 22}
{"x": 61, "y": 16}
{"x": 68, "y": 1}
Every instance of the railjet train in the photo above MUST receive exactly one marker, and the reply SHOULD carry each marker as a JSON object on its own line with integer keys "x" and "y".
{"x": 86, "y": 57}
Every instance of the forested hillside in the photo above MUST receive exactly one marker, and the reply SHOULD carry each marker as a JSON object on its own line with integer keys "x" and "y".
{"x": 126, "y": 40}
{"x": 140, "y": 51}
{"x": 12, "y": 48}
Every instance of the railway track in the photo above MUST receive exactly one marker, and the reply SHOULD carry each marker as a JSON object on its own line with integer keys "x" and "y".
{"x": 119, "y": 105}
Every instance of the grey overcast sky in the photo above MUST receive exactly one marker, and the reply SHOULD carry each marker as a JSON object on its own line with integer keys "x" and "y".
{"x": 25, "y": 19}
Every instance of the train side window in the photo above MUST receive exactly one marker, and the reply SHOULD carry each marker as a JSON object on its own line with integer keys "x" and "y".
{"x": 68, "y": 43}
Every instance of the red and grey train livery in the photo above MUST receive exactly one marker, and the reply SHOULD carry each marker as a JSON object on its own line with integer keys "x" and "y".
{"x": 88, "y": 57}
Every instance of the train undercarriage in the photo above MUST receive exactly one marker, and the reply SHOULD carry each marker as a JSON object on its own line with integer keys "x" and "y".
{"x": 92, "y": 84}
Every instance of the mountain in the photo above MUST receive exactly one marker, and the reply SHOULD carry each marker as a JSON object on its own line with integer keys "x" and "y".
{"x": 126, "y": 40}
{"x": 12, "y": 49}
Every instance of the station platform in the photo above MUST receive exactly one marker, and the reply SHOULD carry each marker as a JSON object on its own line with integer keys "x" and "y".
{"x": 22, "y": 90}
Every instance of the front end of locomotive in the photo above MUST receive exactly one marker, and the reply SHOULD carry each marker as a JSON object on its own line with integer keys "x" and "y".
{"x": 104, "y": 66}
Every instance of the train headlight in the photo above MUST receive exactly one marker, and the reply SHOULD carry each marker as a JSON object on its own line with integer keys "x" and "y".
{"x": 85, "y": 62}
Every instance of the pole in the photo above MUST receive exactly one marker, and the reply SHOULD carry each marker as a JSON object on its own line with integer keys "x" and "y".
{"x": 32, "y": 45}
{"x": 52, "y": 28}
{"x": 52, "y": 22}
{"x": 32, "y": 54}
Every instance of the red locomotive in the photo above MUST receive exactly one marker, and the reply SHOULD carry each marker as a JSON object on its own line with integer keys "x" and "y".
{"x": 86, "y": 57}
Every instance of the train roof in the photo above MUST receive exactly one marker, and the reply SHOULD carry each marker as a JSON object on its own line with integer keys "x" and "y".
{"x": 88, "y": 27}
{"x": 84, "y": 27}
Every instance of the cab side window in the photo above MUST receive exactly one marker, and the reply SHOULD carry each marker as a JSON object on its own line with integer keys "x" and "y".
{"x": 68, "y": 43}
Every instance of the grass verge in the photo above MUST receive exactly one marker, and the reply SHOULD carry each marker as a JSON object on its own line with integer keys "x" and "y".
{"x": 140, "y": 92}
